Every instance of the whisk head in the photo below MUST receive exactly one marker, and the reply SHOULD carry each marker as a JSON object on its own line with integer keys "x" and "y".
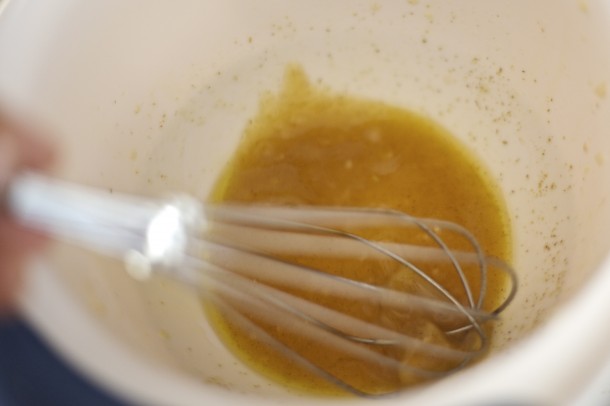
{"x": 405, "y": 297}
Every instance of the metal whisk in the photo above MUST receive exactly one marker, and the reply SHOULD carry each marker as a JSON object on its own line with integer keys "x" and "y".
{"x": 369, "y": 283}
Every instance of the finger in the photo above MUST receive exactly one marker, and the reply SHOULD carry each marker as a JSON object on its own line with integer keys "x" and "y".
{"x": 16, "y": 244}
{"x": 32, "y": 149}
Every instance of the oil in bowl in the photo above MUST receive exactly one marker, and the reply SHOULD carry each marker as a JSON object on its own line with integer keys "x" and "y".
{"x": 311, "y": 147}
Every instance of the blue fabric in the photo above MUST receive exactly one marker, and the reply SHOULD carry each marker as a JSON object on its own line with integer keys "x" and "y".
{"x": 32, "y": 375}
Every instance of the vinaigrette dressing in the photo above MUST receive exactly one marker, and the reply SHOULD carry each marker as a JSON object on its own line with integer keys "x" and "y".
{"x": 308, "y": 146}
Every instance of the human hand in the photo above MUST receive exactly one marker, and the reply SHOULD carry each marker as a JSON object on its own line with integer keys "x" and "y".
{"x": 20, "y": 148}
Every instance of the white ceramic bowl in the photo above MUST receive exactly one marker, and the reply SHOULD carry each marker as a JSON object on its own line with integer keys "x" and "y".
{"x": 150, "y": 96}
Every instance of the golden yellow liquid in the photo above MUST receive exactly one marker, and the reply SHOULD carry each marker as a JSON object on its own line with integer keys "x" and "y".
{"x": 308, "y": 146}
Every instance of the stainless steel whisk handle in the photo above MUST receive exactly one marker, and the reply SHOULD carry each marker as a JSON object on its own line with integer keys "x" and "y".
{"x": 147, "y": 234}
